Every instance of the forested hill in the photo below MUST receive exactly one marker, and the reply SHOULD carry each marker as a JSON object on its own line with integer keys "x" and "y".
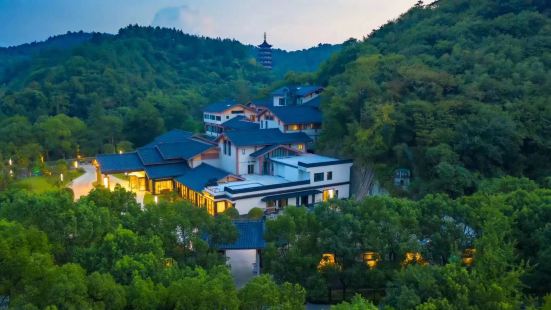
{"x": 456, "y": 91}
{"x": 305, "y": 60}
{"x": 128, "y": 87}
{"x": 10, "y": 57}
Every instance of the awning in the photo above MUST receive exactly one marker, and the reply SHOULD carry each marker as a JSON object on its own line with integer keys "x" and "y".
{"x": 291, "y": 195}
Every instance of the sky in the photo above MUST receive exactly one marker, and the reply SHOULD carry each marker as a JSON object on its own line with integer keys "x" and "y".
{"x": 290, "y": 24}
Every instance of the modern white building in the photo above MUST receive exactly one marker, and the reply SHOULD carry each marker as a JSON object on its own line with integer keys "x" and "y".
{"x": 253, "y": 156}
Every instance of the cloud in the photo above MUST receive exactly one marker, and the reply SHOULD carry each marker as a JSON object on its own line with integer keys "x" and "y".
{"x": 185, "y": 19}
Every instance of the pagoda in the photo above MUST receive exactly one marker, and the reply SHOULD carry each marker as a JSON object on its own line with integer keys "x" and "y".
{"x": 264, "y": 56}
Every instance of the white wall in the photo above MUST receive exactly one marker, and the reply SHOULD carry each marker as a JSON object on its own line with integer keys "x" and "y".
{"x": 227, "y": 162}
{"x": 245, "y": 159}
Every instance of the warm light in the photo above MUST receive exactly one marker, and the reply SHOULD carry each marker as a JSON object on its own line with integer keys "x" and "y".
{"x": 120, "y": 151}
{"x": 414, "y": 257}
{"x": 169, "y": 262}
{"x": 300, "y": 147}
{"x": 11, "y": 172}
{"x": 10, "y": 162}
{"x": 327, "y": 260}
{"x": 156, "y": 199}
{"x": 468, "y": 256}
{"x": 61, "y": 177}
{"x": 371, "y": 259}
{"x": 41, "y": 159}
{"x": 75, "y": 164}
{"x": 106, "y": 182}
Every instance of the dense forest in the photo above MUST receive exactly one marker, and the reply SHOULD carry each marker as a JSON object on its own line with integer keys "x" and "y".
{"x": 454, "y": 91}
{"x": 93, "y": 92}
{"x": 128, "y": 87}
{"x": 105, "y": 252}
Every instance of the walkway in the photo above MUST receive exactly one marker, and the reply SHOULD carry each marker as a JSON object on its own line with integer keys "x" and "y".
{"x": 82, "y": 185}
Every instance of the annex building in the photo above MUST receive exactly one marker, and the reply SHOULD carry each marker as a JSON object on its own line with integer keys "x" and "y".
{"x": 255, "y": 154}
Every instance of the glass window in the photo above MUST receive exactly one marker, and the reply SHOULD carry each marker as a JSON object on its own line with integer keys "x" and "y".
{"x": 250, "y": 169}
{"x": 225, "y": 147}
{"x": 218, "y": 118}
{"x": 330, "y": 175}
{"x": 318, "y": 177}
{"x": 229, "y": 148}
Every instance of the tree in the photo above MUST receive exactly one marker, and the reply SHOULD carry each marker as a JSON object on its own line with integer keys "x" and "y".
{"x": 357, "y": 303}
{"x": 263, "y": 293}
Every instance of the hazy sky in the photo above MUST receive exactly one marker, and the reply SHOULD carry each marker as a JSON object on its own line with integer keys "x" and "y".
{"x": 290, "y": 24}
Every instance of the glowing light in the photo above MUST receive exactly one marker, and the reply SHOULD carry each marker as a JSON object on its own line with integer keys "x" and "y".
{"x": 106, "y": 182}
{"x": 327, "y": 260}
{"x": 120, "y": 151}
{"x": 11, "y": 172}
{"x": 41, "y": 158}
{"x": 414, "y": 257}
{"x": 61, "y": 177}
{"x": 10, "y": 161}
{"x": 75, "y": 164}
{"x": 468, "y": 256}
{"x": 371, "y": 259}
{"x": 156, "y": 199}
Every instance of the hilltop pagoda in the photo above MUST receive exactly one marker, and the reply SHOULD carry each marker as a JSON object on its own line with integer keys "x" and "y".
{"x": 264, "y": 56}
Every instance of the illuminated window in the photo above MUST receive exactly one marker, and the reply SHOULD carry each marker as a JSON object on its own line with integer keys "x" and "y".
{"x": 371, "y": 259}
{"x": 300, "y": 147}
{"x": 328, "y": 194}
{"x": 414, "y": 258}
{"x": 468, "y": 256}
{"x": 327, "y": 260}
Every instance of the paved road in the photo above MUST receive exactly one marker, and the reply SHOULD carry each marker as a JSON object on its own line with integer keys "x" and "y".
{"x": 241, "y": 262}
{"x": 84, "y": 184}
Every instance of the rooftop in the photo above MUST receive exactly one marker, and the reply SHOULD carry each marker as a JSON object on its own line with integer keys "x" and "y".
{"x": 115, "y": 163}
{"x": 308, "y": 159}
{"x": 183, "y": 150}
{"x": 300, "y": 91}
{"x": 220, "y": 106}
{"x": 199, "y": 177}
{"x": 265, "y": 137}
{"x": 240, "y": 122}
{"x": 297, "y": 114}
{"x": 250, "y": 181}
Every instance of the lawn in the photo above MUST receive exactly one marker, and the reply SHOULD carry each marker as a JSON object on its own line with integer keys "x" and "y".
{"x": 41, "y": 184}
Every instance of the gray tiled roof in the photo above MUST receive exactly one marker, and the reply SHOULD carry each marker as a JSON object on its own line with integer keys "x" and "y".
{"x": 116, "y": 163}
{"x": 240, "y": 122}
{"x": 265, "y": 137}
{"x": 220, "y": 106}
{"x": 166, "y": 171}
{"x": 298, "y": 114}
{"x": 199, "y": 177}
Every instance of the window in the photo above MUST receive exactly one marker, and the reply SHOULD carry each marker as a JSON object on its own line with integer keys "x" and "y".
{"x": 206, "y": 116}
{"x": 237, "y": 112}
{"x": 243, "y": 151}
{"x": 329, "y": 175}
{"x": 225, "y": 147}
{"x": 229, "y": 148}
{"x": 300, "y": 147}
{"x": 250, "y": 169}
{"x": 318, "y": 177}
{"x": 281, "y": 101}
{"x": 227, "y": 117}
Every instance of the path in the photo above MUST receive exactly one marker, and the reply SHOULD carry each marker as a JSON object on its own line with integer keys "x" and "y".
{"x": 82, "y": 185}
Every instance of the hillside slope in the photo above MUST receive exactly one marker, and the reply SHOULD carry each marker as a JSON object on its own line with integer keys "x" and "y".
{"x": 131, "y": 86}
{"x": 455, "y": 91}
